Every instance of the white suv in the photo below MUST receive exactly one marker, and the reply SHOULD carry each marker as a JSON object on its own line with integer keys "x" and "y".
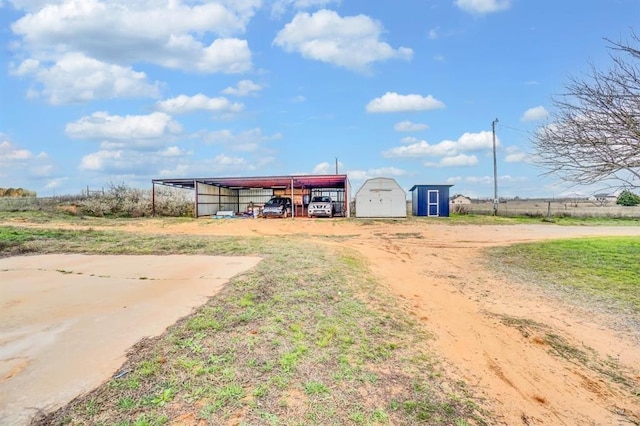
{"x": 321, "y": 206}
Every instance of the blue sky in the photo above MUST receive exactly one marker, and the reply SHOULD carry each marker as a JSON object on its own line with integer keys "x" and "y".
{"x": 94, "y": 92}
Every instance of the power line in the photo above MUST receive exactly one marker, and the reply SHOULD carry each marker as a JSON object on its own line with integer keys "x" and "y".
{"x": 529, "y": 132}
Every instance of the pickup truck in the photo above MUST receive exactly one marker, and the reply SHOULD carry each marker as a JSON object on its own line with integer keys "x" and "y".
{"x": 321, "y": 206}
{"x": 277, "y": 207}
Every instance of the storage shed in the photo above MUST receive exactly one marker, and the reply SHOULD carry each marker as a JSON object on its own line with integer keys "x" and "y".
{"x": 430, "y": 200}
{"x": 381, "y": 197}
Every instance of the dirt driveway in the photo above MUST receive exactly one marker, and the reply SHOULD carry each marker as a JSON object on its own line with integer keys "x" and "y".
{"x": 437, "y": 273}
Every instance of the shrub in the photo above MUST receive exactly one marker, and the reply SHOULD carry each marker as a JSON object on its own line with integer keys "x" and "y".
{"x": 461, "y": 209}
{"x": 123, "y": 201}
{"x": 628, "y": 198}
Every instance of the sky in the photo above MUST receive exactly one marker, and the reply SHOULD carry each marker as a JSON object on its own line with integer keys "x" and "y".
{"x": 101, "y": 92}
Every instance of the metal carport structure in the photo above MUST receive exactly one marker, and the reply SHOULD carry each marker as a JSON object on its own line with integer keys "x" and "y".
{"x": 213, "y": 194}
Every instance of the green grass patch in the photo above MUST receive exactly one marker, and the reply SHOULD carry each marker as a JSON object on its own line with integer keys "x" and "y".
{"x": 606, "y": 268}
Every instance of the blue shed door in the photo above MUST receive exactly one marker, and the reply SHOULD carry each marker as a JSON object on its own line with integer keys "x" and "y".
{"x": 433, "y": 203}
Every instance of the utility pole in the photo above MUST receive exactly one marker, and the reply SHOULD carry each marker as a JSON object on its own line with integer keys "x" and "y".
{"x": 336, "y": 165}
{"x": 495, "y": 170}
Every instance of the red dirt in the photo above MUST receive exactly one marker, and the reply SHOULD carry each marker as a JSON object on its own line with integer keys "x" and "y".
{"x": 437, "y": 272}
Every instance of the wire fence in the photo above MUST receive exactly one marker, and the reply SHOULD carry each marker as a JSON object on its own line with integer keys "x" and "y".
{"x": 35, "y": 203}
{"x": 556, "y": 209}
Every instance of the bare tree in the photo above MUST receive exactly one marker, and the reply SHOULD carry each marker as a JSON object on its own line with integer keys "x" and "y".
{"x": 594, "y": 133}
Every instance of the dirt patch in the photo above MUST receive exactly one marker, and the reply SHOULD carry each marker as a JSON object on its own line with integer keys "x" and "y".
{"x": 437, "y": 273}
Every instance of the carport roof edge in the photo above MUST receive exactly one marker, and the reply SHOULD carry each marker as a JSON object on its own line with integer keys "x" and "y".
{"x": 299, "y": 181}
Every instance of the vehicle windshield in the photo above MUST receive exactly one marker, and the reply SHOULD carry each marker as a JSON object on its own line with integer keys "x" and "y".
{"x": 276, "y": 202}
{"x": 321, "y": 200}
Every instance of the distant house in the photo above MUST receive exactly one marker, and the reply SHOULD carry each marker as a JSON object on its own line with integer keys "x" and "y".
{"x": 460, "y": 199}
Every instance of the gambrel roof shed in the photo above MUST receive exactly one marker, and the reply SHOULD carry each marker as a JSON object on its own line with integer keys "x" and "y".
{"x": 381, "y": 198}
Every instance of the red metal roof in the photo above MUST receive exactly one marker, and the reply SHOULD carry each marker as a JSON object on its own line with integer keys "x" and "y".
{"x": 299, "y": 181}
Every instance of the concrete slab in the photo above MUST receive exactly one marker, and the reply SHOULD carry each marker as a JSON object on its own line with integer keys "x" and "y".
{"x": 66, "y": 321}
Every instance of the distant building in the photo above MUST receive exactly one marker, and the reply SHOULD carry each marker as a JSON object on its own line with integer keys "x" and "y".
{"x": 460, "y": 199}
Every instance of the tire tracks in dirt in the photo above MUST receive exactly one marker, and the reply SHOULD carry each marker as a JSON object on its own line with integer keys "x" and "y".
{"x": 445, "y": 286}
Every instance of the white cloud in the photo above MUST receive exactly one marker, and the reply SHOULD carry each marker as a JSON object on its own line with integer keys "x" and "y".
{"x": 174, "y": 151}
{"x": 184, "y": 104}
{"x": 101, "y": 125}
{"x": 227, "y": 160}
{"x": 484, "y": 180}
{"x": 483, "y": 6}
{"x": 244, "y": 88}
{"x": 515, "y": 155}
{"x": 11, "y": 153}
{"x": 467, "y": 142}
{"x": 226, "y": 163}
{"x": 125, "y": 163}
{"x": 134, "y": 19}
{"x": 216, "y": 165}
{"x": 535, "y": 114}
{"x": 386, "y": 171}
{"x": 325, "y": 168}
{"x": 248, "y": 140}
{"x": 433, "y": 33}
{"x": 477, "y": 141}
{"x": 55, "y": 183}
{"x": 77, "y": 78}
{"x": 351, "y": 42}
{"x": 229, "y": 55}
{"x": 170, "y": 33}
{"x": 19, "y": 166}
{"x": 356, "y": 176}
{"x": 511, "y": 179}
{"x": 279, "y": 7}
{"x": 408, "y": 126}
{"x": 362, "y": 175}
{"x": 97, "y": 161}
{"x": 393, "y": 102}
{"x": 422, "y": 149}
{"x": 43, "y": 170}
{"x": 460, "y": 160}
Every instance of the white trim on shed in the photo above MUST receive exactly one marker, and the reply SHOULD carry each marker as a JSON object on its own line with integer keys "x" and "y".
{"x": 381, "y": 198}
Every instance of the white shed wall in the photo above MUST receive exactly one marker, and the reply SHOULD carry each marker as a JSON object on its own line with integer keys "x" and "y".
{"x": 212, "y": 199}
{"x": 381, "y": 197}
{"x": 207, "y": 196}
